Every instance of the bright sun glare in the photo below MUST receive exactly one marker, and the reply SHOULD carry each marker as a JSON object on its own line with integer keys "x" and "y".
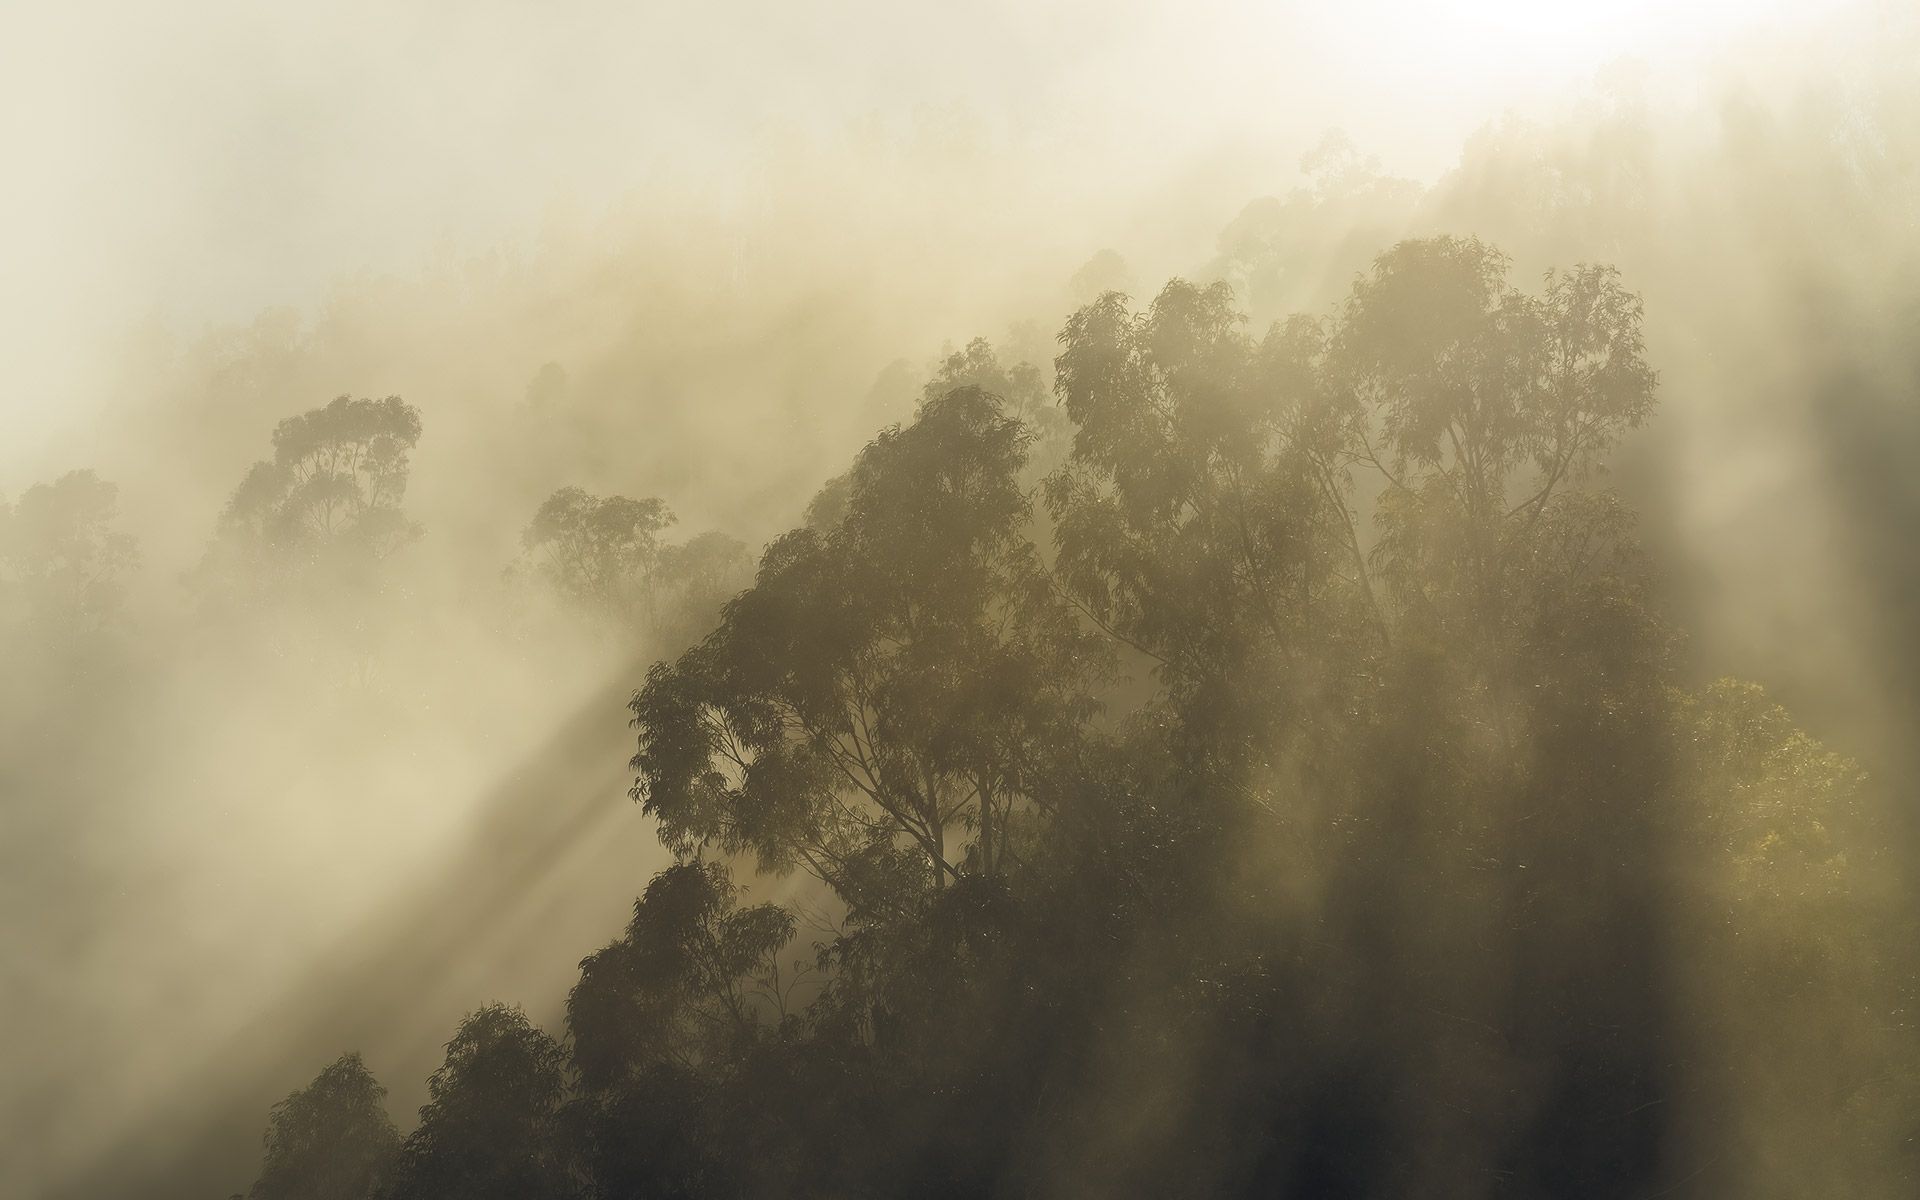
{"x": 1536, "y": 39}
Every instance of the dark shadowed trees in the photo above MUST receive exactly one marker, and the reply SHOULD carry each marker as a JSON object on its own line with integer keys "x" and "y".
{"x": 1404, "y": 864}
{"x": 889, "y": 686}
{"x": 665, "y": 1023}
{"x": 1394, "y": 627}
{"x": 330, "y": 1140}
{"x": 693, "y": 975}
{"x": 490, "y": 1129}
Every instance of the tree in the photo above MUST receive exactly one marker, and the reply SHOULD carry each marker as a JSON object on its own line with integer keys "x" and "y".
{"x": 660, "y": 1022}
{"x": 600, "y": 552}
{"x": 61, "y": 557}
{"x": 1392, "y": 705}
{"x": 1200, "y": 518}
{"x": 693, "y": 974}
{"x": 331, "y": 493}
{"x": 331, "y": 1140}
{"x": 905, "y": 673}
{"x": 490, "y": 1127}
{"x": 1021, "y": 387}
{"x": 1492, "y": 405}
{"x": 1786, "y": 872}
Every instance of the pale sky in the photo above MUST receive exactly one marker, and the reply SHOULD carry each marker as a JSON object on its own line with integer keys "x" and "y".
{"x": 198, "y": 162}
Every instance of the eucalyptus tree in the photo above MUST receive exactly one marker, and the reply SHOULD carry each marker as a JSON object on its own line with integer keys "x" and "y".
{"x": 693, "y": 975}
{"x": 1021, "y": 386}
{"x": 1399, "y": 629}
{"x": 1214, "y": 509}
{"x": 331, "y": 1139}
{"x": 333, "y": 489}
{"x": 63, "y": 563}
{"x": 902, "y": 675}
{"x": 665, "y": 1025}
{"x": 1490, "y": 406}
{"x": 600, "y": 552}
{"x": 492, "y": 1125}
{"x": 1197, "y": 517}
{"x": 705, "y": 570}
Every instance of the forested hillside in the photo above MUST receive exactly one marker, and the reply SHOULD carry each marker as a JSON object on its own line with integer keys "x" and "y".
{"x": 1273, "y": 778}
{"x": 608, "y": 600}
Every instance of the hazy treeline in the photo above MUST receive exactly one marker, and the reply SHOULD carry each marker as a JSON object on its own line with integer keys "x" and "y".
{"x": 1372, "y": 821}
{"x": 302, "y": 637}
{"x": 1301, "y": 796}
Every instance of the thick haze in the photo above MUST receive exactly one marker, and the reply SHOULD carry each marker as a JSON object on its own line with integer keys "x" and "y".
{"x": 703, "y": 255}
{"x": 197, "y": 163}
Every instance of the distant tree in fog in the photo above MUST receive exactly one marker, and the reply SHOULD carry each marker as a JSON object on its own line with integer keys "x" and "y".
{"x": 330, "y": 1140}
{"x": 547, "y": 387}
{"x": 331, "y": 494}
{"x": 1105, "y": 272}
{"x": 600, "y": 552}
{"x": 696, "y": 577}
{"x": 62, "y": 564}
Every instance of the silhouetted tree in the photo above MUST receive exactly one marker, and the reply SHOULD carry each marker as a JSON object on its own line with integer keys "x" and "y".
{"x": 661, "y": 1021}
{"x": 601, "y": 552}
{"x": 693, "y": 974}
{"x": 334, "y": 484}
{"x": 907, "y": 673}
{"x": 331, "y": 1140}
{"x": 490, "y": 1129}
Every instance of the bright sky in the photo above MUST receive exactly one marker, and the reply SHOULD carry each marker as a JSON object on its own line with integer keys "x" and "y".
{"x": 200, "y": 161}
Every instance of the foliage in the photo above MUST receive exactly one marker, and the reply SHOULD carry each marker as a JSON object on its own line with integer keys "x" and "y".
{"x": 1309, "y": 801}
{"x": 601, "y": 552}
{"x": 902, "y": 674}
{"x": 686, "y": 979}
{"x": 330, "y": 496}
{"x": 491, "y": 1126}
{"x": 61, "y": 561}
{"x": 331, "y": 1138}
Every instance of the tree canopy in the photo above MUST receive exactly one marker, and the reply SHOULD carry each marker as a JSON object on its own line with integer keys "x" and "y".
{"x": 332, "y": 491}
{"x": 61, "y": 558}
{"x": 330, "y": 1138}
{"x": 1288, "y": 784}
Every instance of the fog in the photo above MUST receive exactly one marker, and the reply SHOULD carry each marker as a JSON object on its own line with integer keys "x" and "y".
{"x": 705, "y": 256}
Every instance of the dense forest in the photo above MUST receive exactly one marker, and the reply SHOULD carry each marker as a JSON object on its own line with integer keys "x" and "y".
{"x": 605, "y": 601}
{"x": 1261, "y": 766}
